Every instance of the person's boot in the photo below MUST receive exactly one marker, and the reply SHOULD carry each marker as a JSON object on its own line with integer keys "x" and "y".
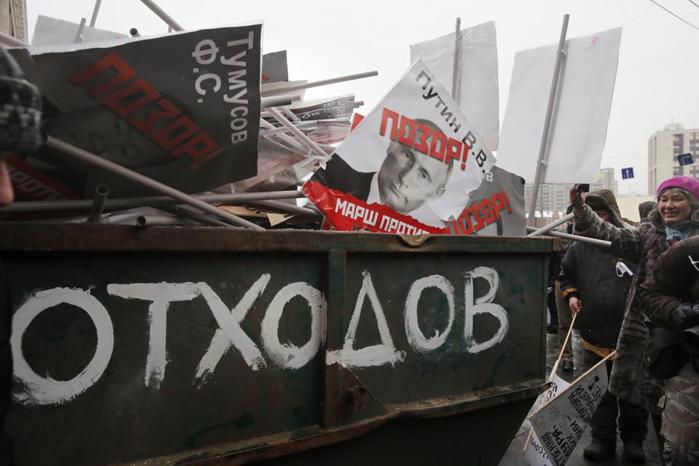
{"x": 567, "y": 365}
{"x": 599, "y": 449}
{"x": 633, "y": 452}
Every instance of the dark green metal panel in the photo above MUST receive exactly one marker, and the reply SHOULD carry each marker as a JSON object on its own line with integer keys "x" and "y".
{"x": 451, "y": 368}
{"x": 241, "y": 413}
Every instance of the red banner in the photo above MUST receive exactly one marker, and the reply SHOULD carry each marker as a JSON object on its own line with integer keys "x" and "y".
{"x": 348, "y": 213}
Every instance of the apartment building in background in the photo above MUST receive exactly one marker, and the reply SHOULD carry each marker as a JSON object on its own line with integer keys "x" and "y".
{"x": 554, "y": 197}
{"x": 13, "y": 19}
{"x": 663, "y": 148}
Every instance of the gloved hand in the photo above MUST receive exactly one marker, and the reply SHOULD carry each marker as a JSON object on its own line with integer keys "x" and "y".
{"x": 686, "y": 315}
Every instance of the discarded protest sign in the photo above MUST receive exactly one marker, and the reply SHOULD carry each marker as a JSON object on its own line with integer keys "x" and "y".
{"x": 323, "y": 109}
{"x": 478, "y": 90}
{"x": 325, "y": 121}
{"x": 496, "y": 208}
{"x": 580, "y": 125}
{"x": 408, "y": 167}
{"x": 562, "y": 421}
{"x": 53, "y": 31}
{"x": 556, "y": 386}
{"x": 182, "y": 108}
{"x": 533, "y": 451}
{"x": 274, "y": 67}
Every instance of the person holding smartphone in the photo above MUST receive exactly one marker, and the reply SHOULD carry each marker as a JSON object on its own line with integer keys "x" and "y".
{"x": 595, "y": 283}
{"x": 675, "y": 219}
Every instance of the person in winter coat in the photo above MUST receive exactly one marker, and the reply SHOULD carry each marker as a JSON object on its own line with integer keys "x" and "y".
{"x": 644, "y": 210}
{"x": 672, "y": 292}
{"x": 562, "y": 308}
{"x": 595, "y": 282}
{"x": 676, "y": 218}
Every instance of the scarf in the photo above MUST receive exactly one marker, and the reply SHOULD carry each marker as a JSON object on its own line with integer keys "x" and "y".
{"x": 680, "y": 231}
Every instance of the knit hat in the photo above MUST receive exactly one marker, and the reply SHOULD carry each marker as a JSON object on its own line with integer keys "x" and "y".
{"x": 687, "y": 183}
{"x": 605, "y": 200}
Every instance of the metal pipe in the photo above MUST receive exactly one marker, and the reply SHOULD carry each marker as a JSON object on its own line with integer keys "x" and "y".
{"x": 79, "y": 36}
{"x": 162, "y": 15}
{"x": 87, "y": 157}
{"x": 294, "y": 209}
{"x": 456, "y": 72}
{"x": 298, "y": 87}
{"x": 111, "y": 218}
{"x": 101, "y": 193}
{"x": 95, "y": 12}
{"x": 544, "y": 145}
{"x": 292, "y": 144}
{"x": 9, "y": 41}
{"x": 186, "y": 212}
{"x": 308, "y": 142}
{"x": 278, "y": 100}
{"x": 300, "y": 125}
{"x": 153, "y": 201}
{"x": 153, "y": 220}
{"x": 291, "y": 116}
{"x": 584, "y": 239}
{"x": 552, "y": 225}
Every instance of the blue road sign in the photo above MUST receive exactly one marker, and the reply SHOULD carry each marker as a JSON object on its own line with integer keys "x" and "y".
{"x": 627, "y": 173}
{"x": 685, "y": 159}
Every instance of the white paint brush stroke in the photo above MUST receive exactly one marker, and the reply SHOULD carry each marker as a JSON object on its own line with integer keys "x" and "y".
{"x": 288, "y": 355}
{"x": 160, "y": 295}
{"x": 375, "y": 355}
{"x": 416, "y": 338}
{"x": 44, "y": 390}
{"x": 229, "y": 332}
{"x": 483, "y": 305}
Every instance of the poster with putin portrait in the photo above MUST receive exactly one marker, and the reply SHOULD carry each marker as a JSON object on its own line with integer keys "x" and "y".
{"x": 182, "y": 108}
{"x": 408, "y": 167}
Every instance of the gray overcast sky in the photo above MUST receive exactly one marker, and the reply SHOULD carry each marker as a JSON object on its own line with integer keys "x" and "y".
{"x": 656, "y": 80}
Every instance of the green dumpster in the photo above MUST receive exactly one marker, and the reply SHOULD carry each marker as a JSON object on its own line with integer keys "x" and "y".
{"x": 167, "y": 345}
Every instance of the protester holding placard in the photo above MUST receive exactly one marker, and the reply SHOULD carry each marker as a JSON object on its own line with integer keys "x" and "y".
{"x": 595, "y": 283}
{"x": 676, "y": 218}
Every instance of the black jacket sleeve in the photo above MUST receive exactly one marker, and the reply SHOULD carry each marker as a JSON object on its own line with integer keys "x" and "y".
{"x": 568, "y": 276}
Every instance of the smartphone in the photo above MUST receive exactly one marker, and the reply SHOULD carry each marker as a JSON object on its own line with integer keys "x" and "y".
{"x": 582, "y": 188}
